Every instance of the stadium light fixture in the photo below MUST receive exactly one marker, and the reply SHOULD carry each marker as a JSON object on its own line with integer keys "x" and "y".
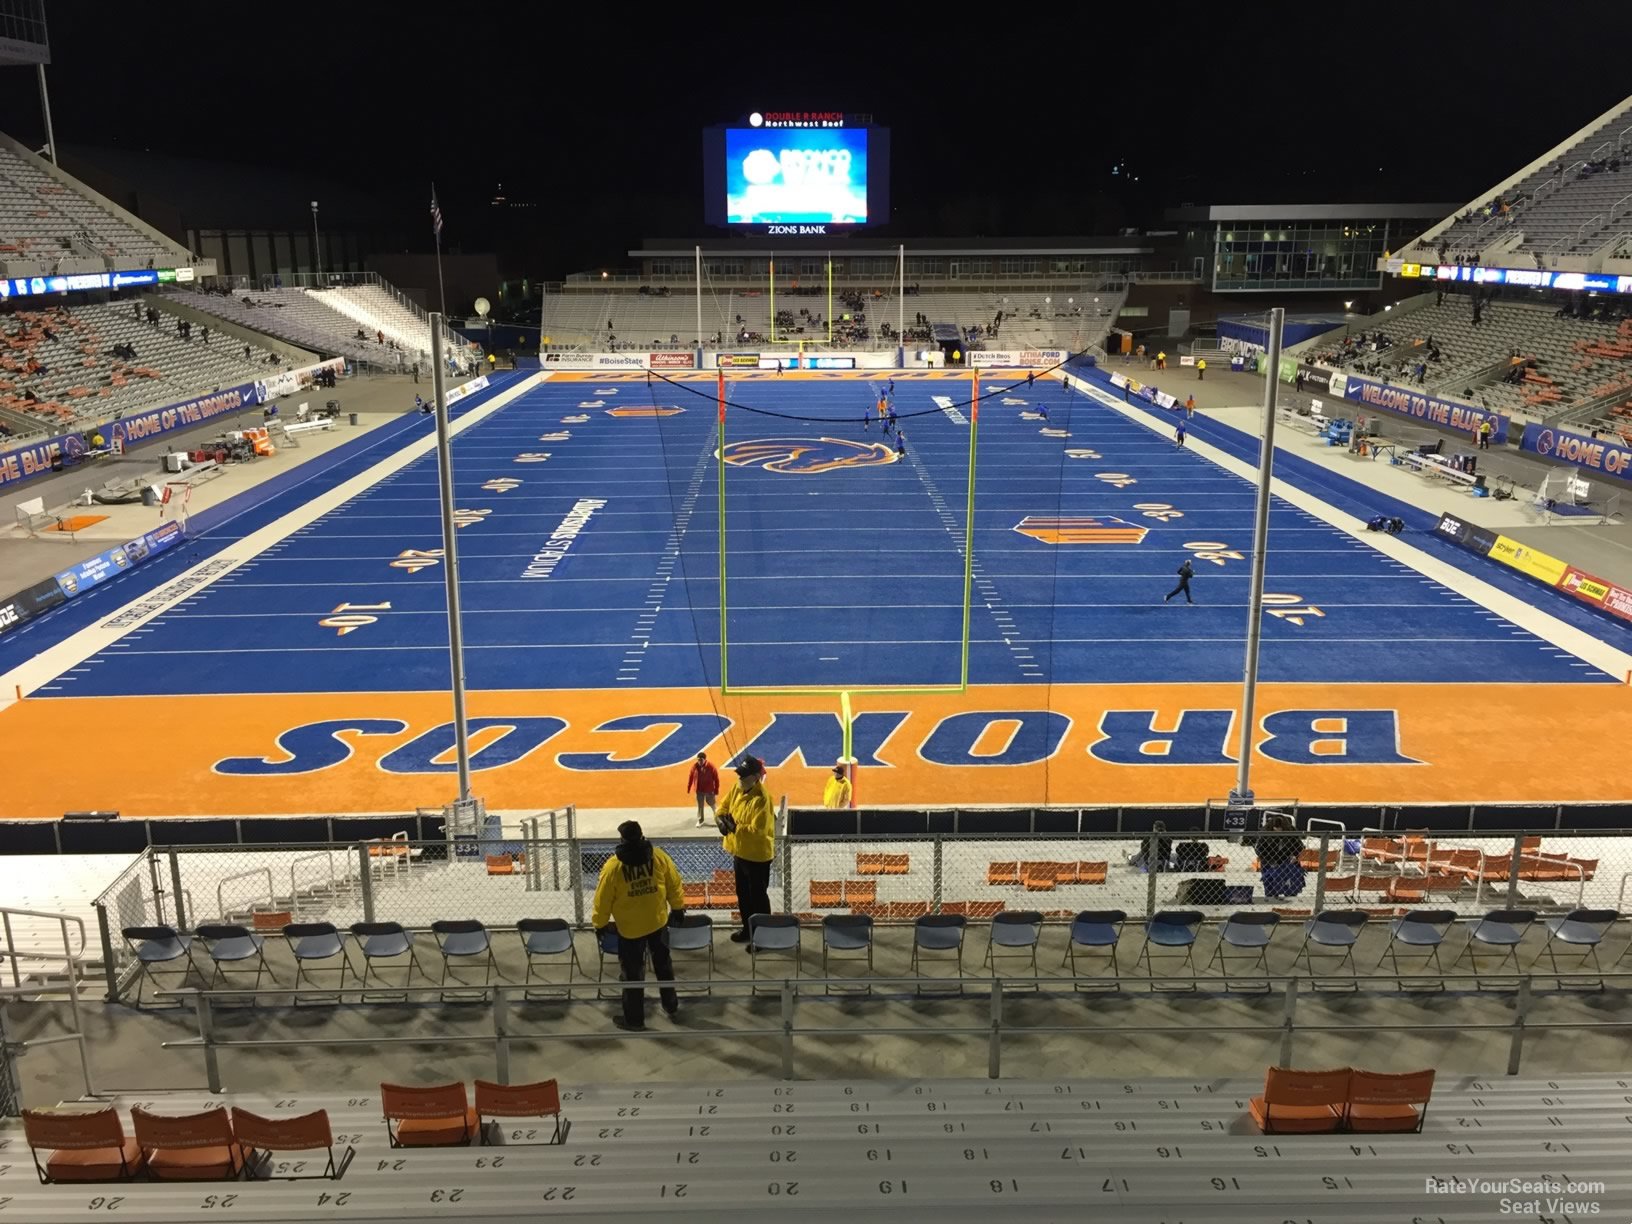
{"x": 1349, "y": 304}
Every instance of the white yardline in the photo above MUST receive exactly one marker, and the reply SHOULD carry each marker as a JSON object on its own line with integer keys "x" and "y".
{"x": 1543, "y": 624}
{"x": 78, "y": 647}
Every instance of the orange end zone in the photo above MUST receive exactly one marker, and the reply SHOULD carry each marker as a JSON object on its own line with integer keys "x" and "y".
{"x": 1091, "y": 745}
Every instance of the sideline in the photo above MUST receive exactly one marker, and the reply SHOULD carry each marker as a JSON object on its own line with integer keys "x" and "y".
{"x": 80, "y": 646}
{"x": 1612, "y": 661}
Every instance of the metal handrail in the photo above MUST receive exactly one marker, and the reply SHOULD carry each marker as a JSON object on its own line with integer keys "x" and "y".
{"x": 497, "y": 998}
{"x": 328, "y": 855}
{"x": 220, "y": 903}
{"x": 70, "y": 956}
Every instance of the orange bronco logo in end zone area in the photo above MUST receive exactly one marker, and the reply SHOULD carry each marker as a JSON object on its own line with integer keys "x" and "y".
{"x": 1081, "y": 529}
{"x": 802, "y": 456}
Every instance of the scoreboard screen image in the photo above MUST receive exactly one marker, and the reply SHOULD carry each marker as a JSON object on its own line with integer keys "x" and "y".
{"x": 796, "y": 175}
{"x": 809, "y": 180}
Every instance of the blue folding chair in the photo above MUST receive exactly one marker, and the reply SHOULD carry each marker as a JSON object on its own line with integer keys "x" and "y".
{"x": 1171, "y": 929}
{"x": 1249, "y": 933}
{"x": 1502, "y": 929}
{"x": 1332, "y": 933}
{"x": 1014, "y": 936}
{"x": 377, "y": 941}
{"x": 847, "y": 937}
{"x": 159, "y": 945}
{"x": 316, "y": 941}
{"x": 230, "y": 944}
{"x": 773, "y": 935}
{"x": 938, "y": 933}
{"x": 464, "y": 940}
{"x": 1421, "y": 931}
{"x": 545, "y": 940}
{"x": 1582, "y": 929}
{"x": 1095, "y": 933}
{"x": 606, "y": 949}
{"x": 693, "y": 934}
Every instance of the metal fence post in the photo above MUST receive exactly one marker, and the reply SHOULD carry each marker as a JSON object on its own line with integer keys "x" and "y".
{"x": 1152, "y": 849}
{"x": 935, "y": 901}
{"x": 786, "y": 856}
{"x": 1287, "y": 1020}
{"x": 177, "y": 895}
{"x": 1521, "y": 1009}
{"x": 575, "y": 869}
{"x": 787, "y": 1029}
{"x": 501, "y": 1034}
{"x": 158, "y": 888}
{"x": 365, "y": 880}
{"x": 555, "y": 855}
{"x": 1320, "y": 873}
{"x": 1514, "y": 867}
{"x": 108, "y": 967}
{"x": 206, "y": 1033}
{"x": 994, "y": 1043}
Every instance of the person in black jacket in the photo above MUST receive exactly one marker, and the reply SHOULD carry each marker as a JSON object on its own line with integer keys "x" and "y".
{"x": 1185, "y": 572}
{"x": 1278, "y": 849}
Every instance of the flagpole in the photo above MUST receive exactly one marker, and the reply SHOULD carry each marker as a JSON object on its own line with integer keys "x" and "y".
{"x": 436, "y": 230}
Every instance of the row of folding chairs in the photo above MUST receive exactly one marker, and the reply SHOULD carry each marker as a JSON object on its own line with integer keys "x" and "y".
{"x": 1244, "y": 939}
{"x": 1331, "y": 937}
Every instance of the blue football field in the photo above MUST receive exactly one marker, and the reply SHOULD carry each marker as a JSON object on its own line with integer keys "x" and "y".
{"x": 591, "y": 559}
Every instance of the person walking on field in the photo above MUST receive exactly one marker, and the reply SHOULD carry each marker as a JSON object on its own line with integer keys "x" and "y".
{"x": 704, "y": 779}
{"x": 1178, "y": 433}
{"x": 1186, "y": 572}
{"x": 639, "y": 895}
{"x": 748, "y": 822}
{"x": 1485, "y": 430}
{"x": 1190, "y": 407}
{"x": 1201, "y": 369}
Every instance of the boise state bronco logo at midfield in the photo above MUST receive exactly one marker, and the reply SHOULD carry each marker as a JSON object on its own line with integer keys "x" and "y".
{"x": 802, "y": 456}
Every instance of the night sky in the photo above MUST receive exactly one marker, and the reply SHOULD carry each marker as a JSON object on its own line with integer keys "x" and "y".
{"x": 992, "y": 137}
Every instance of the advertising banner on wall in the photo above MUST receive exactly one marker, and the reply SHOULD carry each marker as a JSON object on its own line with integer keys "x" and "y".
{"x": 1599, "y": 592}
{"x": 1607, "y": 457}
{"x": 76, "y": 580}
{"x": 672, "y": 361}
{"x": 1016, "y": 358}
{"x": 1417, "y": 406}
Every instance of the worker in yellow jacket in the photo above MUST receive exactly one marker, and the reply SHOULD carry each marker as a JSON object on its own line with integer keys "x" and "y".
{"x": 836, "y": 794}
{"x": 639, "y": 894}
{"x": 748, "y": 821}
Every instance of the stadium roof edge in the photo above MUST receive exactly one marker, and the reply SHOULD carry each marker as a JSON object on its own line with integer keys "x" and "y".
{"x": 1307, "y": 212}
{"x": 864, "y": 246}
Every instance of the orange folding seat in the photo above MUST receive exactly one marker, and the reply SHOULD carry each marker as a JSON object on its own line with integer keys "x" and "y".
{"x": 438, "y": 1116}
{"x": 860, "y": 892}
{"x": 1301, "y": 1102}
{"x": 825, "y": 894}
{"x": 191, "y": 1147}
{"x": 264, "y": 1138}
{"x": 1380, "y": 1103}
{"x": 1003, "y": 873}
{"x": 81, "y": 1147}
{"x": 540, "y": 1100}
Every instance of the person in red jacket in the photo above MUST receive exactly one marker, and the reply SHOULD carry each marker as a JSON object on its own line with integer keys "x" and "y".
{"x": 704, "y": 780}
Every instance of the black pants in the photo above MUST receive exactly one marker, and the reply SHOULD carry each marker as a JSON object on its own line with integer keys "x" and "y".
{"x": 1184, "y": 585}
{"x": 753, "y": 888}
{"x": 632, "y": 959}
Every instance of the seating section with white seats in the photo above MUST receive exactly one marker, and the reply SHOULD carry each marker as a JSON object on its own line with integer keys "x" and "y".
{"x": 43, "y": 219}
{"x": 719, "y": 1149}
{"x": 376, "y": 311}
{"x": 1074, "y": 319}
{"x": 297, "y": 316}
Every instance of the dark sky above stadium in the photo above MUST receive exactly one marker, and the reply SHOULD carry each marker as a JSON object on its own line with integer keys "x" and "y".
{"x": 1005, "y": 126}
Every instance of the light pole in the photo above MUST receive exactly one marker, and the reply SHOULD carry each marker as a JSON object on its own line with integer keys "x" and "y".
{"x": 317, "y": 243}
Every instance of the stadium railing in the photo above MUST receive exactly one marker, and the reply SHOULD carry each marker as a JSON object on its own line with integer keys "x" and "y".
{"x": 850, "y": 1023}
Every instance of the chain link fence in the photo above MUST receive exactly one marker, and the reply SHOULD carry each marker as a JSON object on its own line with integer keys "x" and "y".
{"x": 500, "y": 880}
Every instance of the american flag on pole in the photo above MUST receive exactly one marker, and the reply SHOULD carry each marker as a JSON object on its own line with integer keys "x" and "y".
{"x": 436, "y": 214}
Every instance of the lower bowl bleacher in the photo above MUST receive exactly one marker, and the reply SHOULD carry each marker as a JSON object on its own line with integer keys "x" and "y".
{"x": 1046, "y": 1149}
